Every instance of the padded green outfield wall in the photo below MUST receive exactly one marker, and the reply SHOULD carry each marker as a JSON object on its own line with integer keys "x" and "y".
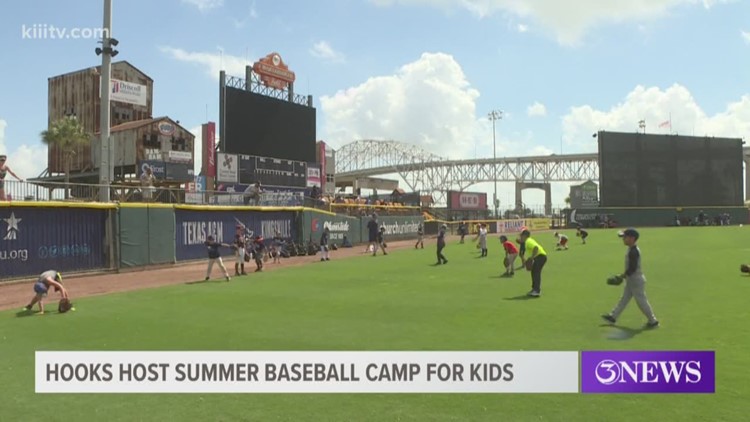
{"x": 652, "y": 217}
{"x": 314, "y": 222}
{"x": 147, "y": 235}
{"x": 355, "y": 228}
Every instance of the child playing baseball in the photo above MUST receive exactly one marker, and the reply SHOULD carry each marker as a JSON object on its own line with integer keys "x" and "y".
{"x": 259, "y": 252}
{"x": 381, "y": 240}
{"x": 583, "y": 234}
{"x": 562, "y": 241}
{"x": 46, "y": 280}
{"x": 482, "y": 237}
{"x": 214, "y": 256}
{"x": 239, "y": 246}
{"x": 511, "y": 253}
{"x": 635, "y": 282}
{"x": 324, "y": 245}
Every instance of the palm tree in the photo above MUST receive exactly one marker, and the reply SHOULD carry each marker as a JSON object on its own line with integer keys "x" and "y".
{"x": 67, "y": 135}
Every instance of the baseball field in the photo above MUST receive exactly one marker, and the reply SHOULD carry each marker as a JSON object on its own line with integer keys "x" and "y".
{"x": 403, "y": 302}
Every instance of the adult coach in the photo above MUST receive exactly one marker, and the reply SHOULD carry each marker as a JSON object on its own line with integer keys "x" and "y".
{"x": 47, "y": 279}
{"x": 537, "y": 259}
{"x": 4, "y": 170}
{"x": 372, "y": 233}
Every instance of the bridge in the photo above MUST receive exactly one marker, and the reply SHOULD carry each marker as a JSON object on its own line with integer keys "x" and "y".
{"x": 434, "y": 175}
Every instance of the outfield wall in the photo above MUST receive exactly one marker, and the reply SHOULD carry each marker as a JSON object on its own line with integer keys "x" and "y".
{"x": 67, "y": 237}
{"x": 512, "y": 226}
{"x": 70, "y": 237}
{"x": 650, "y": 217}
{"x": 355, "y": 228}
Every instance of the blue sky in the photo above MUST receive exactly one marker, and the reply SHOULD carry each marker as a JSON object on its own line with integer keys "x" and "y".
{"x": 418, "y": 71}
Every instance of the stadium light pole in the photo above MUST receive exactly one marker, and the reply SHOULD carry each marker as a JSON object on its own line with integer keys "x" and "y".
{"x": 106, "y": 170}
{"x": 494, "y": 115}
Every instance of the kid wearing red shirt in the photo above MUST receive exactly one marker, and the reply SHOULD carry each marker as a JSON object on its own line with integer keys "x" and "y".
{"x": 511, "y": 253}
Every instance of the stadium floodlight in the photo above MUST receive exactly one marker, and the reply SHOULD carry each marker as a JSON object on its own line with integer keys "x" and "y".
{"x": 495, "y": 115}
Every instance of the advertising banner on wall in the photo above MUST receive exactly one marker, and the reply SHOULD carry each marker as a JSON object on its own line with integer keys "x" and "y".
{"x": 209, "y": 149}
{"x": 538, "y": 223}
{"x": 178, "y": 172}
{"x": 158, "y": 168}
{"x": 33, "y": 240}
{"x": 509, "y": 226}
{"x": 234, "y": 194}
{"x": 314, "y": 176}
{"x": 338, "y": 227}
{"x": 227, "y": 168}
{"x": 193, "y": 226}
{"x": 128, "y": 92}
{"x": 396, "y": 227}
{"x": 467, "y": 200}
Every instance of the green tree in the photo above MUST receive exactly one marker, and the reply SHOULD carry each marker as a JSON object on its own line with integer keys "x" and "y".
{"x": 67, "y": 135}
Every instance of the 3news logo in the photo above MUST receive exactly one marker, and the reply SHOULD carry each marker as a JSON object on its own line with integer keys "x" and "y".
{"x": 648, "y": 372}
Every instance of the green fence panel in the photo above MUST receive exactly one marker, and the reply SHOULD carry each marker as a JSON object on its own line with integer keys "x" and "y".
{"x": 161, "y": 235}
{"x": 134, "y": 250}
{"x": 653, "y": 217}
{"x": 338, "y": 226}
{"x": 396, "y": 227}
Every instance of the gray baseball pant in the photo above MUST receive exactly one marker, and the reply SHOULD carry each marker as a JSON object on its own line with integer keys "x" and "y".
{"x": 635, "y": 287}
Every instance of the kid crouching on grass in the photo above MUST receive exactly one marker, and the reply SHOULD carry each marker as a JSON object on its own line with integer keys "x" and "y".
{"x": 511, "y": 253}
{"x": 214, "y": 256}
{"x": 46, "y": 280}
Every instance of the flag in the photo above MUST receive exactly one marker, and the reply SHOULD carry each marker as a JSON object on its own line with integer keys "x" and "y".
{"x": 665, "y": 124}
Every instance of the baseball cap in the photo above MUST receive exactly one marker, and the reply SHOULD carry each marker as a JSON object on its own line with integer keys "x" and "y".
{"x": 526, "y": 232}
{"x": 631, "y": 232}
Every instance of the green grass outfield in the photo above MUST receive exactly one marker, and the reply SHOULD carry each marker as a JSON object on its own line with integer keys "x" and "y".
{"x": 401, "y": 302}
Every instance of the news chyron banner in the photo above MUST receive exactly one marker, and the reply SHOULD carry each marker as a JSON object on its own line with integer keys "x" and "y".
{"x": 307, "y": 372}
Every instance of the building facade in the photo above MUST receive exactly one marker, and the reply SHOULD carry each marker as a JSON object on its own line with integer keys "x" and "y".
{"x": 78, "y": 94}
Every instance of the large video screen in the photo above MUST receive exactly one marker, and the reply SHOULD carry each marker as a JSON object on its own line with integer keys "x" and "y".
{"x": 268, "y": 127}
{"x": 639, "y": 170}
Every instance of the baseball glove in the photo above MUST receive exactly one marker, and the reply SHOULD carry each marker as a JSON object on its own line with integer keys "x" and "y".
{"x": 247, "y": 257}
{"x": 745, "y": 268}
{"x": 505, "y": 262}
{"x": 615, "y": 280}
{"x": 64, "y": 306}
{"x": 529, "y": 264}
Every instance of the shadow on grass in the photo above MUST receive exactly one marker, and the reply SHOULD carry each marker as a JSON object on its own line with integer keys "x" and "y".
{"x": 618, "y": 332}
{"x": 522, "y": 297}
{"x": 216, "y": 280}
{"x": 24, "y": 314}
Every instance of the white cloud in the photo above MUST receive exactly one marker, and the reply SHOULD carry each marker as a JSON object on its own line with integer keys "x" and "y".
{"x": 568, "y": 23}
{"x": 211, "y": 62}
{"x": 537, "y": 110}
{"x": 746, "y": 36}
{"x": 323, "y": 50}
{"x": 522, "y": 28}
{"x": 655, "y": 106}
{"x": 428, "y": 103}
{"x": 26, "y": 161}
{"x": 204, "y": 5}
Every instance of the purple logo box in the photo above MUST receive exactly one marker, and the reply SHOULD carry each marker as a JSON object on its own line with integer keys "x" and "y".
{"x": 648, "y": 372}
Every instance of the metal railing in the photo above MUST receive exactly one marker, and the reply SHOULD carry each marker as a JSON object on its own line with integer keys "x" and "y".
{"x": 16, "y": 191}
